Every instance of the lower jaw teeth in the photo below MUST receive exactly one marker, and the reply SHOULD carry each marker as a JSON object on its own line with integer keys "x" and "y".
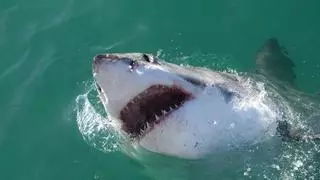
{"x": 164, "y": 112}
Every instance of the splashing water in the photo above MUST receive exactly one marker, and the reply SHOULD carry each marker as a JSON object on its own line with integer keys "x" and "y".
{"x": 95, "y": 129}
{"x": 296, "y": 160}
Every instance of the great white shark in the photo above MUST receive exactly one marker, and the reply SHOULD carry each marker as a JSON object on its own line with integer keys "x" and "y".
{"x": 190, "y": 112}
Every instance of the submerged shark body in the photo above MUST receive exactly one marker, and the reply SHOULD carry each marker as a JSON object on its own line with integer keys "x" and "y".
{"x": 191, "y": 112}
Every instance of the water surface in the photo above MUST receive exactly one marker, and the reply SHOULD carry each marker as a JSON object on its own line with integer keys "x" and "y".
{"x": 46, "y": 49}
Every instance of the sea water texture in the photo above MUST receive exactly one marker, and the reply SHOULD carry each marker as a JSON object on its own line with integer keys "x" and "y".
{"x": 46, "y": 50}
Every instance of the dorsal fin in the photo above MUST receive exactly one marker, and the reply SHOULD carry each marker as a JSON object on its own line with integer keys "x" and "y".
{"x": 272, "y": 60}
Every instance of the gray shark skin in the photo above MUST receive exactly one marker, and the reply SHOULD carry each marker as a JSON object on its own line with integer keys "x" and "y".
{"x": 273, "y": 61}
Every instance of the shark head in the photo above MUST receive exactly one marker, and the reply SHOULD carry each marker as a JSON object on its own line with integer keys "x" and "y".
{"x": 169, "y": 109}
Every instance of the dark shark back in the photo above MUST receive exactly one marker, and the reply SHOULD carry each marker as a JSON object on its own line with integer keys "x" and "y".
{"x": 273, "y": 61}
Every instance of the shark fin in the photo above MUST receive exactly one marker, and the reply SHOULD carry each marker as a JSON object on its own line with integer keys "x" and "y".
{"x": 288, "y": 133}
{"x": 272, "y": 60}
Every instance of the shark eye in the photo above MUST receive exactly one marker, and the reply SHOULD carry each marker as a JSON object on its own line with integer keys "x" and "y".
{"x": 133, "y": 64}
{"x": 146, "y": 58}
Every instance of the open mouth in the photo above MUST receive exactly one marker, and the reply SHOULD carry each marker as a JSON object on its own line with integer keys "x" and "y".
{"x": 151, "y": 107}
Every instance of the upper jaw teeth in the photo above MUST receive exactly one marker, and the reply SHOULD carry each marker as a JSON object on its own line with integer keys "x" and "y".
{"x": 164, "y": 112}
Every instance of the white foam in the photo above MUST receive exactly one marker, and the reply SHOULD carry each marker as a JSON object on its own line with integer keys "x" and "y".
{"x": 95, "y": 129}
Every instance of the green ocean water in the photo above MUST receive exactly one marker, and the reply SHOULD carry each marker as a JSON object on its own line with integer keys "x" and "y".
{"x": 46, "y": 49}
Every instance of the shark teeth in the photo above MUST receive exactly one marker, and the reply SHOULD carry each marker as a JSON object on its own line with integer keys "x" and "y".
{"x": 151, "y": 106}
{"x": 166, "y": 112}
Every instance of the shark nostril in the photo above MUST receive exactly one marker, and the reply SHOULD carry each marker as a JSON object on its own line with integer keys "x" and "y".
{"x": 99, "y": 58}
{"x": 105, "y": 57}
{"x": 112, "y": 57}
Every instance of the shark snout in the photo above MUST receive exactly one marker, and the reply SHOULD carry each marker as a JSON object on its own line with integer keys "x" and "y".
{"x": 104, "y": 58}
{"x": 100, "y": 59}
{"x": 108, "y": 59}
